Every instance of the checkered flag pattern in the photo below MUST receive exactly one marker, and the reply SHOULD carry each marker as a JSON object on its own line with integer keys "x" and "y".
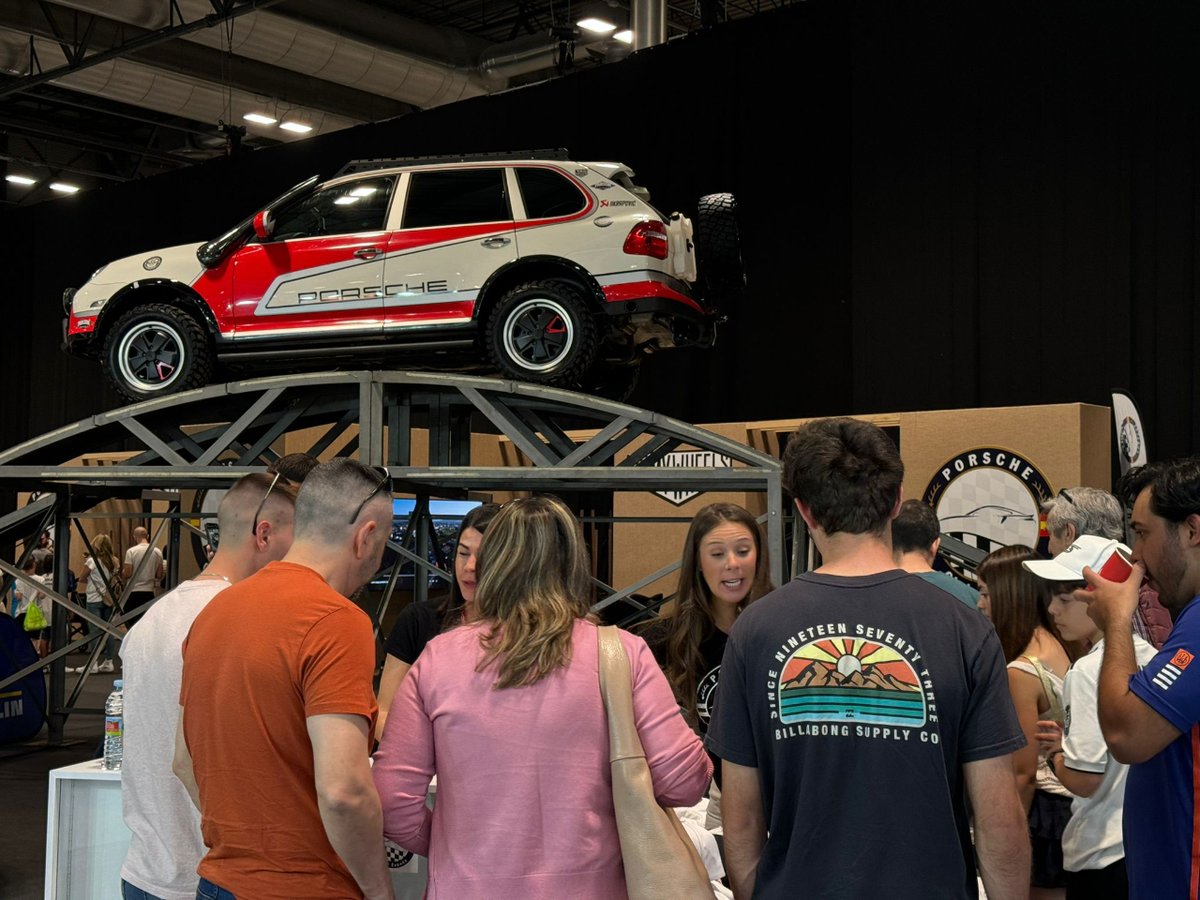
{"x": 397, "y": 856}
{"x": 989, "y": 508}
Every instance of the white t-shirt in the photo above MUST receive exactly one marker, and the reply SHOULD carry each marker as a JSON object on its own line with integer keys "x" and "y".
{"x": 166, "y": 844}
{"x": 145, "y": 579}
{"x": 95, "y": 581}
{"x": 1092, "y": 839}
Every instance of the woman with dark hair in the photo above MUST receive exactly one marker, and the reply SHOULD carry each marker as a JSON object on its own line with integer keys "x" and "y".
{"x": 724, "y": 568}
{"x": 1018, "y": 602}
{"x": 507, "y": 712}
{"x": 419, "y": 622}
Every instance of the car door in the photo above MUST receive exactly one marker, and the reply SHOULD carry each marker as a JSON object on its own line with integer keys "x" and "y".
{"x": 456, "y": 230}
{"x": 321, "y": 268}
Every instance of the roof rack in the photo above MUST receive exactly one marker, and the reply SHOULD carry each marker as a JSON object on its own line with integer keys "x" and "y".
{"x": 367, "y": 165}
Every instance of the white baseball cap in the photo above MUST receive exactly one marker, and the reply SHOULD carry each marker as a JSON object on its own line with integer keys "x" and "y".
{"x": 1088, "y": 550}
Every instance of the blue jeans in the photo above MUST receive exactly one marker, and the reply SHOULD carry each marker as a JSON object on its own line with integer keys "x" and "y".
{"x": 129, "y": 892}
{"x": 209, "y": 891}
{"x": 110, "y": 644}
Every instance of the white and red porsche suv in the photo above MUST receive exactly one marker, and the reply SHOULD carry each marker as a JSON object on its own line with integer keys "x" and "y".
{"x": 547, "y": 270}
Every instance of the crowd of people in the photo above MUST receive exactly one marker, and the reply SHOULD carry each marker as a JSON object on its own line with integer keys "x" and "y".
{"x": 874, "y": 726}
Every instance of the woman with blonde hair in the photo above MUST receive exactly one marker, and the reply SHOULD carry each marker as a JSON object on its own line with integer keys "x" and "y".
{"x": 506, "y": 711}
{"x": 1017, "y": 602}
{"x": 99, "y": 570}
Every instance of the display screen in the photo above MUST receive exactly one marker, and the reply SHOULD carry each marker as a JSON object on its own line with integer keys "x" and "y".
{"x": 445, "y": 519}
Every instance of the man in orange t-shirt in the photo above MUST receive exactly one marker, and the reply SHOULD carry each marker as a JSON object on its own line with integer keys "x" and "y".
{"x": 278, "y": 707}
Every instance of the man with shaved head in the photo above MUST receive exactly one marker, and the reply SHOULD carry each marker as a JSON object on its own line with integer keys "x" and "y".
{"x": 255, "y": 520}
{"x": 276, "y": 726}
{"x": 141, "y": 575}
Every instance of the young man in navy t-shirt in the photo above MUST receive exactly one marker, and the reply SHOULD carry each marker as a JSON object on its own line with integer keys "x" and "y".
{"x": 1151, "y": 718}
{"x": 860, "y": 708}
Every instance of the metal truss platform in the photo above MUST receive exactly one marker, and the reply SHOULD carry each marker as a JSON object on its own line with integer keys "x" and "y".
{"x": 208, "y": 438}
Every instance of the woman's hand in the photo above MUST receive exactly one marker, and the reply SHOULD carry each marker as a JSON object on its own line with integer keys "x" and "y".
{"x": 1049, "y": 736}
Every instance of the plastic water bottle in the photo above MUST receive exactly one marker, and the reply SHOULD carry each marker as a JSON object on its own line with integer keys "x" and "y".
{"x": 114, "y": 726}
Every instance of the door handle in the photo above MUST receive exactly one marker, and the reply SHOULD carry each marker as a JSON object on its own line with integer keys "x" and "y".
{"x": 495, "y": 242}
{"x": 367, "y": 253}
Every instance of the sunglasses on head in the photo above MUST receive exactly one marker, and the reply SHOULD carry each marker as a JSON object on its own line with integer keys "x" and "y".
{"x": 262, "y": 503}
{"x": 385, "y": 480}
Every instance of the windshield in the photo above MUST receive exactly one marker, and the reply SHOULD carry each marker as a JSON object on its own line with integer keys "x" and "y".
{"x": 212, "y": 253}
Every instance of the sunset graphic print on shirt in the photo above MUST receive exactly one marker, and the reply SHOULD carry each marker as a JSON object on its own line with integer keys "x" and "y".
{"x": 848, "y": 679}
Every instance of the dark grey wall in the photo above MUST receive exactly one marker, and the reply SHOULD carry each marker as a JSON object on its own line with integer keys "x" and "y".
{"x": 944, "y": 205}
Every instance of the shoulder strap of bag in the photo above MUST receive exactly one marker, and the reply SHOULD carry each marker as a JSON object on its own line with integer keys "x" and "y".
{"x": 1052, "y": 697}
{"x": 616, "y": 687}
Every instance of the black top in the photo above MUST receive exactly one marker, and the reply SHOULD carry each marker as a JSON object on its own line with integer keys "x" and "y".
{"x": 416, "y": 626}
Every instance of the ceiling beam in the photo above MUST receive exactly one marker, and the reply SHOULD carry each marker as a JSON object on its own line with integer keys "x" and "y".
{"x": 202, "y": 63}
{"x": 143, "y": 41}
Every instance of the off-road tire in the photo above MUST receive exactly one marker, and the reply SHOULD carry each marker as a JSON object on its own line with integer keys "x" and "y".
{"x": 542, "y": 332}
{"x": 722, "y": 274}
{"x": 155, "y": 350}
{"x": 611, "y": 381}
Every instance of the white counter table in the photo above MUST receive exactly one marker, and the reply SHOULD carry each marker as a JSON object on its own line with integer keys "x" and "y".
{"x": 86, "y": 838}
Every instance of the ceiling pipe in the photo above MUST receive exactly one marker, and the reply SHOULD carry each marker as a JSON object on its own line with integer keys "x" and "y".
{"x": 649, "y": 23}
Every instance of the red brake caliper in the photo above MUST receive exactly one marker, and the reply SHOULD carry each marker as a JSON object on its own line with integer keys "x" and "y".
{"x": 556, "y": 326}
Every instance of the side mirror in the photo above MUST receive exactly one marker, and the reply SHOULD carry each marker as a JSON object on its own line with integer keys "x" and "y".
{"x": 264, "y": 224}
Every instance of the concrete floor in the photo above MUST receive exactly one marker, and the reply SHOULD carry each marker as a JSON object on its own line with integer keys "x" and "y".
{"x": 24, "y": 778}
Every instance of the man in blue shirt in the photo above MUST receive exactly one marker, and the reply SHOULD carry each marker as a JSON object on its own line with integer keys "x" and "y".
{"x": 916, "y": 536}
{"x": 1151, "y": 718}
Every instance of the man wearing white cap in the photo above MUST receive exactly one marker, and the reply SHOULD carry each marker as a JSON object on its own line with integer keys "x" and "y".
{"x": 1092, "y": 844}
{"x": 1151, "y": 718}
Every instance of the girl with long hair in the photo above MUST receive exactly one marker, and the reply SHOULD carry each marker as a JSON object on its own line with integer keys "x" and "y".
{"x": 99, "y": 569}
{"x": 1017, "y": 602}
{"x": 506, "y": 711}
{"x": 419, "y": 622}
{"x": 724, "y": 568}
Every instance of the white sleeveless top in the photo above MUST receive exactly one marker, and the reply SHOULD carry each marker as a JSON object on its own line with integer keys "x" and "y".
{"x": 1045, "y": 780}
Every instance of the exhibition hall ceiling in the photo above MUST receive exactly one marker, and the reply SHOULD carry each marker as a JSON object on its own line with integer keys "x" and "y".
{"x": 103, "y": 91}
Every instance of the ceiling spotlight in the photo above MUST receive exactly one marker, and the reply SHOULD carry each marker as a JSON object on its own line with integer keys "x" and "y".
{"x": 63, "y": 188}
{"x": 20, "y": 179}
{"x": 260, "y": 118}
{"x": 596, "y": 26}
{"x": 625, "y": 37}
{"x": 297, "y": 127}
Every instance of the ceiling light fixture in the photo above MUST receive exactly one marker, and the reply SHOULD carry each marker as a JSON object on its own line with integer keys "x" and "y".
{"x": 625, "y": 37}
{"x": 260, "y": 118}
{"x": 297, "y": 127}
{"x": 596, "y": 26}
{"x": 20, "y": 179}
{"x": 63, "y": 188}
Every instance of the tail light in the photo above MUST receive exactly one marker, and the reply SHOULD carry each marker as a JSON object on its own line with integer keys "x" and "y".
{"x": 647, "y": 239}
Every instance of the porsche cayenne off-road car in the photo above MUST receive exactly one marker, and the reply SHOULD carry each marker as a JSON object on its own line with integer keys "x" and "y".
{"x": 546, "y": 270}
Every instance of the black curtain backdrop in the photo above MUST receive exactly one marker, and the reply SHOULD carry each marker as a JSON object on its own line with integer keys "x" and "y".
{"x": 943, "y": 205}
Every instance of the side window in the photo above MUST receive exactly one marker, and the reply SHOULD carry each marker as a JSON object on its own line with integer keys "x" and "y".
{"x": 349, "y": 207}
{"x": 455, "y": 197}
{"x": 548, "y": 193}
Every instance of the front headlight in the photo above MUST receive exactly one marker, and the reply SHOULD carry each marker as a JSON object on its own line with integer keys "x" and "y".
{"x": 98, "y": 271}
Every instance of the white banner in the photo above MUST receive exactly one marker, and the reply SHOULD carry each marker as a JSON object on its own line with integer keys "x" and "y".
{"x": 1131, "y": 438}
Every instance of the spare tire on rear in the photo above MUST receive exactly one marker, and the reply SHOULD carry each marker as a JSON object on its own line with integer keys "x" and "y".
{"x": 722, "y": 274}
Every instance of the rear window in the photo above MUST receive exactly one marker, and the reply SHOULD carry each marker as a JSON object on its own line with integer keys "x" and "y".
{"x": 548, "y": 193}
{"x": 456, "y": 197}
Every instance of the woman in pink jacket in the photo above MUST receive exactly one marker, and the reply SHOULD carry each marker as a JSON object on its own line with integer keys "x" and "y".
{"x": 506, "y": 711}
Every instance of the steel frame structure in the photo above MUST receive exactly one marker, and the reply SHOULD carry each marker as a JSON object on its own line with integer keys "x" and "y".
{"x": 234, "y": 426}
